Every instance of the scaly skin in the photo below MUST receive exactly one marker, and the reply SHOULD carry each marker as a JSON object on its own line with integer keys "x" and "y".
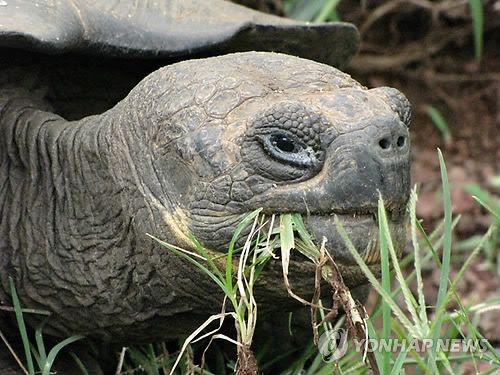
{"x": 193, "y": 148}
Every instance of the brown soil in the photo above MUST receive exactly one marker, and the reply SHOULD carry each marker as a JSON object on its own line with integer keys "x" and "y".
{"x": 247, "y": 364}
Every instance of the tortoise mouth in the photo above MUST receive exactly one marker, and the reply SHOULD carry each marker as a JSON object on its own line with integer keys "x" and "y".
{"x": 363, "y": 231}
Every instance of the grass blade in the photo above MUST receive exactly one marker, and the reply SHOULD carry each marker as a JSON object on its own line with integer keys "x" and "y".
{"x": 22, "y": 326}
{"x": 386, "y": 285}
{"x": 79, "y": 363}
{"x": 218, "y": 280}
{"x": 40, "y": 344}
{"x": 420, "y": 327}
{"x": 398, "y": 363}
{"x": 371, "y": 277}
{"x": 494, "y": 212}
{"x": 445, "y": 263}
{"x": 440, "y": 122}
{"x": 417, "y": 256}
{"x": 242, "y": 225}
{"x": 478, "y": 21}
{"x": 305, "y": 243}
{"x": 286, "y": 239}
{"x": 326, "y": 12}
{"x": 207, "y": 257}
{"x": 460, "y": 274}
{"x": 379, "y": 357}
{"x": 55, "y": 350}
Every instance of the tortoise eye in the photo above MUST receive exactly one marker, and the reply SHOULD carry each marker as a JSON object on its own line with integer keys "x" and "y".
{"x": 283, "y": 143}
{"x": 289, "y": 149}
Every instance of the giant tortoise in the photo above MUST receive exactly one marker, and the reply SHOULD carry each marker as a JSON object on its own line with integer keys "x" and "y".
{"x": 91, "y": 159}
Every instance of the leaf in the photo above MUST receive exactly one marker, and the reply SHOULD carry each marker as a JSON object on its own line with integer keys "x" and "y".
{"x": 287, "y": 240}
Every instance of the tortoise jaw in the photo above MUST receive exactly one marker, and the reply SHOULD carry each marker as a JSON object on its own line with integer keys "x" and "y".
{"x": 363, "y": 232}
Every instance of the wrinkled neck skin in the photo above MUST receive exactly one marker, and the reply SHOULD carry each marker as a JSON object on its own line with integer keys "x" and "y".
{"x": 71, "y": 199}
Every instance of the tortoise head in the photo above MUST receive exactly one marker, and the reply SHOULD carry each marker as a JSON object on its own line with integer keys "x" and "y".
{"x": 230, "y": 134}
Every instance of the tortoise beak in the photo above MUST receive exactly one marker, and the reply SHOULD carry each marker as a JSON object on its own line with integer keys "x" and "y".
{"x": 362, "y": 230}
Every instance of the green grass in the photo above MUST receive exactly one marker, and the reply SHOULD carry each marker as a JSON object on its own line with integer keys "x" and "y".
{"x": 444, "y": 324}
{"x": 312, "y": 10}
{"x": 477, "y": 12}
{"x": 43, "y": 360}
{"x": 440, "y": 122}
{"x": 492, "y": 205}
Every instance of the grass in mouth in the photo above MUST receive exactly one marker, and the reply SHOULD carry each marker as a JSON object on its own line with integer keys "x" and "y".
{"x": 238, "y": 288}
{"x": 326, "y": 269}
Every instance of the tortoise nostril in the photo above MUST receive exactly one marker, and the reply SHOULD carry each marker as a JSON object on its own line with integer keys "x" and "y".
{"x": 401, "y": 141}
{"x": 385, "y": 143}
